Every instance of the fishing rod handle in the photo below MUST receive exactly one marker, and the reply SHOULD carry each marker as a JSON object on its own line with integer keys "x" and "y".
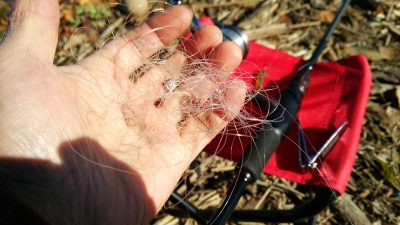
{"x": 269, "y": 136}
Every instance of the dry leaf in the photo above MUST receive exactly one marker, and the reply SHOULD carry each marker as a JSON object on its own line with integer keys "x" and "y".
{"x": 398, "y": 94}
{"x": 393, "y": 116}
{"x": 326, "y": 16}
{"x": 383, "y": 53}
{"x": 68, "y": 14}
{"x": 88, "y": 2}
{"x": 285, "y": 19}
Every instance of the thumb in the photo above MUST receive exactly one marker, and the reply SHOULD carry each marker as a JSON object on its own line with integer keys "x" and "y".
{"x": 34, "y": 28}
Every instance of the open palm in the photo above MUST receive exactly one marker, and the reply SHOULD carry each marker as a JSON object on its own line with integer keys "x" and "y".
{"x": 128, "y": 137}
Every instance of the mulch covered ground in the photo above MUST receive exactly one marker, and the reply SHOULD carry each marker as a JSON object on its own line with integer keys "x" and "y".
{"x": 369, "y": 27}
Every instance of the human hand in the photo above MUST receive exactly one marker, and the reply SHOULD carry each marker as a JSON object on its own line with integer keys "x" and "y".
{"x": 92, "y": 145}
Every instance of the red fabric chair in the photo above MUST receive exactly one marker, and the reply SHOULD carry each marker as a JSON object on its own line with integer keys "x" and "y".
{"x": 338, "y": 92}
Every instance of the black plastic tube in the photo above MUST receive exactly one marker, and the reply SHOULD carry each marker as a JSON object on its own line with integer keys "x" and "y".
{"x": 323, "y": 198}
{"x": 228, "y": 205}
{"x": 187, "y": 207}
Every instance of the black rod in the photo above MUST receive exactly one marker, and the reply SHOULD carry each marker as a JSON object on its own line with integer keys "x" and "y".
{"x": 186, "y": 206}
{"x": 322, "y": 44}
{"x": 228, "y": 205}
{"x": 268, "y": 138}
{"x": 323, "y": 198}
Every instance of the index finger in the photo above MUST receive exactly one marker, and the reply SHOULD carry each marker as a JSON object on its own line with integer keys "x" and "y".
{"x": 132, "y": 49}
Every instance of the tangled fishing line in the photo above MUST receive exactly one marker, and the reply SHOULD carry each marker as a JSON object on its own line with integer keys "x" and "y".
{"x": 201, "y": 84}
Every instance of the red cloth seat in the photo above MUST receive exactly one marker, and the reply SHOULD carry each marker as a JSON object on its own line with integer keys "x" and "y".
{"x": 338, "y": 92}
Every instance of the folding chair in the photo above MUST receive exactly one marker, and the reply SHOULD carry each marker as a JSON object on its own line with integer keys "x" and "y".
{"x": 330, "y": 114}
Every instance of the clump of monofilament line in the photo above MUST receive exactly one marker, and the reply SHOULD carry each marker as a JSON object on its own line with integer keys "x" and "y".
{"x": 202, "y": 86}
{"x": 208, "y": 81}
{"x": 200, "y": 83}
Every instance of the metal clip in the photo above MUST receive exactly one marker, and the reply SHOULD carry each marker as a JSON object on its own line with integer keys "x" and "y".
{"x": 327, "y": 147}
{"x": 323, "y": 151}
